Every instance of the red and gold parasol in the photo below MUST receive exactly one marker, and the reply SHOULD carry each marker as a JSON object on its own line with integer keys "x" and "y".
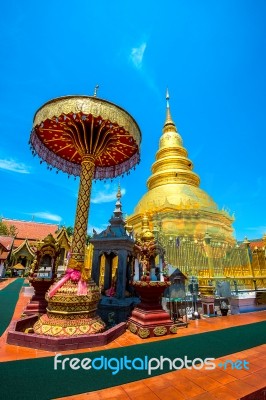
{"x": 86, "y": 136}
{"x": 94, "y": 139}
{"x": 68, "y": 128}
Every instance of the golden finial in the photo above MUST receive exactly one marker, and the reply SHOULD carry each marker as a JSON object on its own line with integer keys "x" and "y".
{"x": 95, "y": 90}
{"x": 167, "y": 98}
{"x": 168, "y": 120}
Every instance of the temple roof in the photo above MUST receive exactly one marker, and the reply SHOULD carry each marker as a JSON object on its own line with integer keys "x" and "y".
{"x": 25, "y": 245}
{"x": 4, "y": 255}
{"x": 256, "y": 244}
{"x": 6, "y": 242}
{"x": 63, "y": 233}
{"x": 30, "y": 230}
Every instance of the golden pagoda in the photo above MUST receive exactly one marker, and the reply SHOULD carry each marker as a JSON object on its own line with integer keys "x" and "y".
{"x": 174, "y": 202}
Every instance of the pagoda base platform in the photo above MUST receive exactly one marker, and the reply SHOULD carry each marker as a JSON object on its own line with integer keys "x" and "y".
{"x": 246, "y": 303}
{"x": 21, "y": 334}
{"x": 149, "y": 319}
{"x": 151, "y": 323}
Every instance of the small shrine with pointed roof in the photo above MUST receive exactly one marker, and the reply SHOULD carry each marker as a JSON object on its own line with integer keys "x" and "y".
{"x": 112, "y": 266}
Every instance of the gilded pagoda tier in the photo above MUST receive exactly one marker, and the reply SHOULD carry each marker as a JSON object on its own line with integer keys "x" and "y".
{"x": 177, "y": 197}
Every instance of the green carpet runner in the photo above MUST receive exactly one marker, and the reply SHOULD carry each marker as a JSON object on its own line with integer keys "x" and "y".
{"x": 8, "y": 300}
{"x": 37, "y": 378}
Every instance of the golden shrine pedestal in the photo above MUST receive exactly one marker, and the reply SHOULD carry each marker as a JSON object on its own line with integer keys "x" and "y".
{"x": 70, "y": 314}
{"x": 149, "y": 319}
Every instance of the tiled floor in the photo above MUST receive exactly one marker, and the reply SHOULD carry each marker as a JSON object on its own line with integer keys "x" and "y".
{"x": 182, "y": 384}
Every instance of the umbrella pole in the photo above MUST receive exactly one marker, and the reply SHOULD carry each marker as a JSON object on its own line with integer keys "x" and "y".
{"x": 81, "y": 220}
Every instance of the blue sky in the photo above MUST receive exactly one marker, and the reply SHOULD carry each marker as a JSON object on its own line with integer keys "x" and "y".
{"x": 210, "y": 54}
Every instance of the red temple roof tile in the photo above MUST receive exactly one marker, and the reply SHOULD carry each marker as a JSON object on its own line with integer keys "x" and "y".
{"x": 30, "y": 230}
{"x": 257, "y": 243}
{"x": 6, "y": 242}
{"x": 4, "y": 255}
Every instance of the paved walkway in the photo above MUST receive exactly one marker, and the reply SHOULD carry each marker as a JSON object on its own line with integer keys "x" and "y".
{"x": 187, "y": 384}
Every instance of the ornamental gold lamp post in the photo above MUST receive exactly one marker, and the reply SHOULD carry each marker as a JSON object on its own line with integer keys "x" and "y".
{"x": 148, "y": 318}
{"x": 92, "y": 138}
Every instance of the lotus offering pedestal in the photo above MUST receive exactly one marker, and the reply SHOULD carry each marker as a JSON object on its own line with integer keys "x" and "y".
{"x": 149, "y": 319}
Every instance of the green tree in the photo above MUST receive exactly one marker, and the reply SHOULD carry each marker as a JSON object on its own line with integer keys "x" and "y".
{"x": 7, "y": 231}
{"x": 70, "y": 230}
{"x": 13, "y": 231}
{"x": 3, "y": 229}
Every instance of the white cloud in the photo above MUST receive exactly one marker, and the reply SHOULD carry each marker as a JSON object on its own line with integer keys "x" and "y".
{"x": 105, "y": 196}
{"x": 136, "y": 58}
{"x": 47, "y": 215}
{"x": 137, "y": 54}
{"x": 11, "y": 165}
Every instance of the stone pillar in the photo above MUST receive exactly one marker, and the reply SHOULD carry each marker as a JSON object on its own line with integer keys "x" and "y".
{"x": 108, "y": 272}
{"x": 121, "y": 274}
{"x": 136, "y": 269}
{"x": 95, "y": 274}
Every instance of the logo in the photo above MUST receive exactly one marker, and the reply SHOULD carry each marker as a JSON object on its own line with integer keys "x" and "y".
{"x": 237, "y": 365}
{"x": 115, "y": 365}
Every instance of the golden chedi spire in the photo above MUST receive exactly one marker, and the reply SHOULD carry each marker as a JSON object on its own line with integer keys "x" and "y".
{"x": 169, "y": 123}
{"x": 172, "y": 165}
{"x": 174, "y": 194}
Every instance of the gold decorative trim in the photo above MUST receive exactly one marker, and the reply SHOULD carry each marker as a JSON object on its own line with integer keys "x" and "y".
{"x": 58, "y": 327}
{"x": 74, "y": 264}
{"x": 132, "y": 327}
{"x": 88, "y": 105}
{"x": 143, "y": 333}
{"x": 151, "y": 284}
{"x": 160, "y": 330}
{"x": 70, "y": 317}
{"x": 62, "y": 312}
{"x": 173, "y": 329}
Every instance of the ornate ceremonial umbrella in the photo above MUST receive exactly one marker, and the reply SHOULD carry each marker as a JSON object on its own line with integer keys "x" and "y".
{"x": 88, "y": 137}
